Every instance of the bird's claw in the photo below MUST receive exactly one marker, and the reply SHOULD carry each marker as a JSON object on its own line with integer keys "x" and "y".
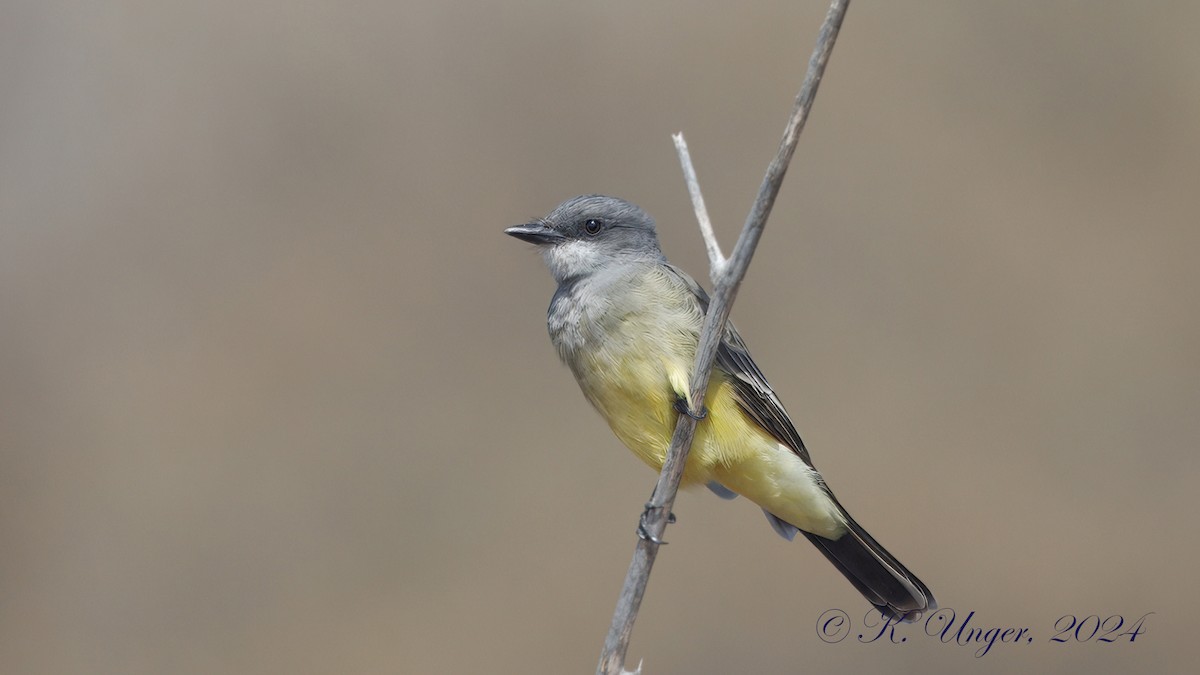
{"x": 644, "y": 533}
{"x": 682, "y": 408}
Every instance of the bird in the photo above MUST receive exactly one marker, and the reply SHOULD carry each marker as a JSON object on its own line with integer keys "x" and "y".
{"x": 627, "y": 323}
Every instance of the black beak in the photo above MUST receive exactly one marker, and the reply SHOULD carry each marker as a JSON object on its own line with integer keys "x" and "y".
{"x": 535, "y": 233}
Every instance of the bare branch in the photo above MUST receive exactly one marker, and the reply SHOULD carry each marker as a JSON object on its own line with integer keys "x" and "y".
{"x": 658, "y": 509}
{"x": 716, "y": 259}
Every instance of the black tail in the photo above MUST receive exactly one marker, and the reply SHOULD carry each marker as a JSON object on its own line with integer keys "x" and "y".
{"x": 882, "y": 580}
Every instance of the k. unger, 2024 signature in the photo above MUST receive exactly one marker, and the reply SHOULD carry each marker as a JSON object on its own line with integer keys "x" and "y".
{"x": 949, "y": 627}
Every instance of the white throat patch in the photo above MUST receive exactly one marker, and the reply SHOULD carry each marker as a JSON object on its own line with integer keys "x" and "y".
{"x": 573, "y": 259}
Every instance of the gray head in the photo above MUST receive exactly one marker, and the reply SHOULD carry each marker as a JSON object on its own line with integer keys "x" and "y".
{"x": 589, "y": 232}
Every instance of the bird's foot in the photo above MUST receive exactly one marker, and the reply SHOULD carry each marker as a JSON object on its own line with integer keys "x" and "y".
{"x": 643, "y": 532}
{"x": 682, "y": 408}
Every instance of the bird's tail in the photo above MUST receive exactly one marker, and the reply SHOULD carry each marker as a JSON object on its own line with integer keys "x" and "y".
{"x": 883, "y": 581}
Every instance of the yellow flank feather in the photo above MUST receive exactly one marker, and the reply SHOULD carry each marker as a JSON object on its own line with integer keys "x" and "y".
{"x": 636, "y": 397}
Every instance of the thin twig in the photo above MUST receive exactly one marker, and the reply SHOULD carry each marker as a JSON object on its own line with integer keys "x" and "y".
{"x": 716, "y": 259}
{"x": 612, "y": 658}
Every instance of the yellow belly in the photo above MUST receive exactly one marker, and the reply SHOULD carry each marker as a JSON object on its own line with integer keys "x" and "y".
{"x": 637, "y": 396}
{"x": 728, "y": 447}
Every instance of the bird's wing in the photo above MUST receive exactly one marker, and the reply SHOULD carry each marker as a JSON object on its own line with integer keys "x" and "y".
{"x": 754, "y": 395}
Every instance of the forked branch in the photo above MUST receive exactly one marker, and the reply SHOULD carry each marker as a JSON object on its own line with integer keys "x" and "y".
{"x": 726, "y": 276}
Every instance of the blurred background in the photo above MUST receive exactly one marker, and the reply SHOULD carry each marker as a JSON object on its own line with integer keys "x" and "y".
{"x": 276, "y": 393}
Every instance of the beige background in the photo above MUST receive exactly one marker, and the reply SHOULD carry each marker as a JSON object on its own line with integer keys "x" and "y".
{"x": 276, "y": 394}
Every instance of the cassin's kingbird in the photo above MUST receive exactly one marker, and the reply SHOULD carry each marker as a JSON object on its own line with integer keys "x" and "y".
{"x": 627, "y": 323}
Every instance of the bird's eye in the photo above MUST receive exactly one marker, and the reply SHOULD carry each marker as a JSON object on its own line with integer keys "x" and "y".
{"x": 592, "y": 226}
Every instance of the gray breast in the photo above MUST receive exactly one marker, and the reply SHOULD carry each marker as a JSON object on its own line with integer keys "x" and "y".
{"x": 564, "y": 320}
{"x": 587, "y": 312}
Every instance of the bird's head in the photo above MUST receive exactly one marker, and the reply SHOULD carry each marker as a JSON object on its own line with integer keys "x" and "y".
{"x": 585, "y": 234}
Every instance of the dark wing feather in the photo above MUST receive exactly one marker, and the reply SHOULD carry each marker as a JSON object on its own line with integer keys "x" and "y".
{"x": 886, "y": 583}
{"x": 754, "y": 395}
